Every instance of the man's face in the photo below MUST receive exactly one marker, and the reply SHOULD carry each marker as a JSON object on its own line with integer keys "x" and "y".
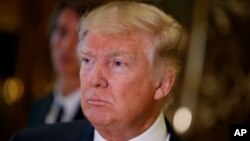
{"x": 116, "y": 79}
{"x": 63, "y": 43}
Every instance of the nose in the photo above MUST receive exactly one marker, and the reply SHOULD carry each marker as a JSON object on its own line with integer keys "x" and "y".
{"x": 97, "y": 78}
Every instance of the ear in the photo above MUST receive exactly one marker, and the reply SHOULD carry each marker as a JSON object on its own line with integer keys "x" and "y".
{"x": 164, "y": 85}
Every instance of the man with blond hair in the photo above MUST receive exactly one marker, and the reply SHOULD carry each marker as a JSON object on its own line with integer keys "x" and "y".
{"x": 129, "y": 63}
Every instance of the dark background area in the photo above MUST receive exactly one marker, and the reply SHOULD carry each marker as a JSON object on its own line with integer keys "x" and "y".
{"x": 8, "y": 55}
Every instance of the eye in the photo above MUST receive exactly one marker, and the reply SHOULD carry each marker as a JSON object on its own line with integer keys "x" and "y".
{"x": 85, "y": 60}
{"x": 61, "y": 31}
{"x": 119, "y": 66}
{"x": 118, "y": 63}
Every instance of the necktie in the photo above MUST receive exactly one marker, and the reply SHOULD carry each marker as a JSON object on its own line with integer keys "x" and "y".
{"x": 60, "y": 114}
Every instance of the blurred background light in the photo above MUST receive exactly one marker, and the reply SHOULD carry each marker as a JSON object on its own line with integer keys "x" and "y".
{"x": 12, "y": 90}
{"x": 182, "y": 119}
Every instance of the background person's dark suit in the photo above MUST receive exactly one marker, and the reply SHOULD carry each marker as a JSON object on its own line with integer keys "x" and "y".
{"x": 41, "y": 107}
{"x": 74, "y": 131}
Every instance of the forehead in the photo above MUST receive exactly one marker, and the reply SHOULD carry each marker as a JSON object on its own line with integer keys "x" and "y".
{"x": 120, "y": 43}
{"x": 67, "y": 16}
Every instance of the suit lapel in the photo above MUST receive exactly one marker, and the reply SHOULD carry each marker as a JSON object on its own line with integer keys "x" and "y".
{"x": 46, "y": 107}
{"x": 171, "y": 132}
{"x": 79, "y": 114}
{"x": 39, "y": 110}
{"x": 87, "y": 132}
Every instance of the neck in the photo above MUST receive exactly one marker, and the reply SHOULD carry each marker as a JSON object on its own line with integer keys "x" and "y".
{"x": 68, "y": 85}
{"x": 124, "y": 134}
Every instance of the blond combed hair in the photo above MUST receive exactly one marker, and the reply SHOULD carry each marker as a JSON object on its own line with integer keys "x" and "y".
{"x": 123, "y": 18}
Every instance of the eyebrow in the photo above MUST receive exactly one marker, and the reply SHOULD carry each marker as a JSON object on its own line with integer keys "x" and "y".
{"x": 110, "y": 54}
{"x": 82, "y": 51}
{"x": 82, "y": 34}
{"x": 115, "y": 53}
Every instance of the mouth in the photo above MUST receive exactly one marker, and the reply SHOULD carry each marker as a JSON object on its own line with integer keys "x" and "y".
{"x": 97, "y": 101}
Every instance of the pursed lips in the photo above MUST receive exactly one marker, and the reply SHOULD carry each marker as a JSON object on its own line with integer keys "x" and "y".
{"x": 96, "y": 101}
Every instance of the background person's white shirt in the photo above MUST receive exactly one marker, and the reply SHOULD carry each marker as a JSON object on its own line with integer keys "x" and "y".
{"x": 69, "y": 103}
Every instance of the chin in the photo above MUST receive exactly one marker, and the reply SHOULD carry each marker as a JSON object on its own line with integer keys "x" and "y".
{"x": 98, "y": 119}
{"x": 99, "y": 122}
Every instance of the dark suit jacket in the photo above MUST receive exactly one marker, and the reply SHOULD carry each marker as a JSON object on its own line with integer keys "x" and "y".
{"x": 80, "y": 130}
{"x": 41, "y": 107}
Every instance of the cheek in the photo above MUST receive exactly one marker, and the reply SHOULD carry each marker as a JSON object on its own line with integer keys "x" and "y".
{"x": 55, "y": 46}
{"x": 82, "y": 76}
{"x": 135, "y": 89}
{"x": 125, "y": 90}
{"x": 84, "y": 79}
{"x": 73, "y": 43}
{"x": 54, "y": 40}
{"x": 128, "y": 101}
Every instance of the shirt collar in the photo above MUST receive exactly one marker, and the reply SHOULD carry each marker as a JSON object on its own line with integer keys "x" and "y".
{"x": 70, "y": 102}
{"x": 157, "y": 131}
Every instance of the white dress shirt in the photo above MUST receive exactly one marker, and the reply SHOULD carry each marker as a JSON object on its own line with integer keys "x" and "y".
{"x": 69, "y": 103}
{"x": 157, "y": 131}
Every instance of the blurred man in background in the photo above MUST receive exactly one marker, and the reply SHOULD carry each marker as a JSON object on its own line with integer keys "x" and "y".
{"x": 63, "y": 103}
